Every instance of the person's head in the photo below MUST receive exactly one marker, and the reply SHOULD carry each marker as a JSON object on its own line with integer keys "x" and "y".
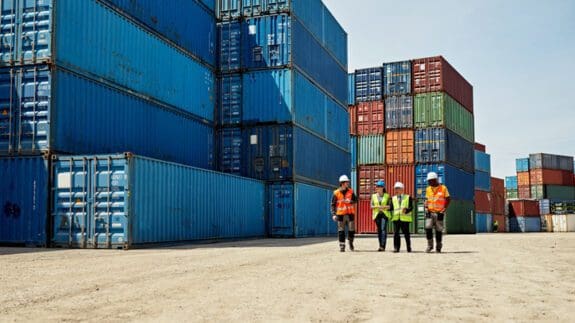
{"x": 380, "y": 187}
{"x": 344, "y": 181}
{"x": 399, "y": 188}
{"x": 432, "y": 179}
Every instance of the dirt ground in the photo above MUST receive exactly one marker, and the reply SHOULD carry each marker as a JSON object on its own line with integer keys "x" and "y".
{"x": 493, "y": 277}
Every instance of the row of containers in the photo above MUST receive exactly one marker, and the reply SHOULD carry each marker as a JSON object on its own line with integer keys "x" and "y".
{"x": 409, "y": 118}
{"x": 540, "y": 216}
{"x": 489, "y": 195}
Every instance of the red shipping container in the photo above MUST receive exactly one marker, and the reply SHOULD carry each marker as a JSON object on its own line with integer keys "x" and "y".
{"x": 401, "y": 173}
{"x": 435, "y": 74}
{"x": 482, "y": 202}
{"x": 502, "y": 221}
{"x": 524, "y": 208}
{"x": 364, "y": 222}
{"x": 368, "y": 176}
{"x": 370, "y": 118}
{"x": 399, "y": 147}
{"x": 524, "y": 192}
{"x": 479, "y": 147}
{"x": 497, "y": 203}
{"x": 497, "y": 185}
{"x": 353, "y": 120}
{"x": 550, "y": 177}
{"x": 523, "y": 179}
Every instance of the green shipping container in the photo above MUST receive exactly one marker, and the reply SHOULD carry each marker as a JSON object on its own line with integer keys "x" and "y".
{"x": 553, "y": 192}
{"x": 371, "y": 150}
{"x": 460, "y": 218}
{"x": 512, "y": 194}
{"x": 438, "y": 109}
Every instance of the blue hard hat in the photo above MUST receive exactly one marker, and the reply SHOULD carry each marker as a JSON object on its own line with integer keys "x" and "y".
{"x": 380, "y": 183}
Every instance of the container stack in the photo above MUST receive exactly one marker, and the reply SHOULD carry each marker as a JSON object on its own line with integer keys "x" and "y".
{"x": 511, "y": 187}
{"x": 483, "y": 197}
{"x": 281, "y": 115}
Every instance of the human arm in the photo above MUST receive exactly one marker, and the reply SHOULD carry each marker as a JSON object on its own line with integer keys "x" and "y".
{"x": 409, "y": 206}
{"x": 333, "y": 205}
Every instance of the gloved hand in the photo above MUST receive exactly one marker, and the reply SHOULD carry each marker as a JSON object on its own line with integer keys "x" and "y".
{"x": 334, "y": 218}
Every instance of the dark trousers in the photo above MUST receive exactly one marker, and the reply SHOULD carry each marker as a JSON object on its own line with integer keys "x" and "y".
{"x": 381, "y": 223}
{"x": 404, "y": 227}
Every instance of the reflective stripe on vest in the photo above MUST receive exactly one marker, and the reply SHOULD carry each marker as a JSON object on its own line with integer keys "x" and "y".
{"x": 344, "y": 205}
{"x": 375, "y": 202}
{"x": 436, "y": 199}
{"x": 398, "y": 209}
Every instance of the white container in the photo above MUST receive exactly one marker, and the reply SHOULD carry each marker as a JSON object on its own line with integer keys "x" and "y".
{"x": 564, "y": 223}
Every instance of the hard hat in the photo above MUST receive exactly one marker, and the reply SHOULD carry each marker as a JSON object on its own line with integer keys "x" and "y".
{"x": 432, "y": 175}
{"x": 380, "y": 183}
{"x": 343, "y": 178}
{"x": 399, "y": 185}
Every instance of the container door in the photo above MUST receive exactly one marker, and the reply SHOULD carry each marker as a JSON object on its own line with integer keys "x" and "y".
{"x": 35, "y": 38}
{"x": 281, "y": 210}
{"x": 10, "y": 32}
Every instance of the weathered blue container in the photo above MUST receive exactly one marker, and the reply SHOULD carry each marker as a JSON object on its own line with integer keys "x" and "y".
{"x": 369, "y": 84}
{"x": 397, "y": 78}
{"x": 230, "y": 46}
{"x": 458, "y": 182}
{"x": 59, "y": 111}
{"x": 172, "y": 20}
{"x": 511, "y": 182}
{"x": 284, "y": 96}
{"x": 524, "y": 224}
{"x": 482, "y": 181}
{"x": 544, "y": 207}
{"x": 24, "y": 200}
{"x": 287, "y": 152}
{"x": 522, "y": 164}
{"x": 399, "y": 112}
{"x": 229, "y": 110}
{"x": 210, "y": 4}
{"x": 482, "y": 161}
{"x": 299, "y": 210}
{"x": 351, "y": 89}
{"x": 230, "y": 150}
{"x": 121, "y": 201}
{"x": 353, "y": 180}
{"x": 92, "y": 38}
{"x": 483, "y": 223}
{"x": 549, "y": 161}
{"x": 438, "y": 145}
{"x": 353, "y": 150}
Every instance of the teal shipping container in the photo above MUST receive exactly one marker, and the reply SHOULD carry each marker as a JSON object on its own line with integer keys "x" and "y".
{"x": 371, "y": 150}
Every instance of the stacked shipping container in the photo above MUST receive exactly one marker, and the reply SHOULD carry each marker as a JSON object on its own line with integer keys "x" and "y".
{"x": 483, "y": 196}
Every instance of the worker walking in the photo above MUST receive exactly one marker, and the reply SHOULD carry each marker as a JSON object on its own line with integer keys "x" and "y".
{"x": 343, "y": 212}
{"x": 436, "y": 204}
{"x": 380, "y": 206}
{"x": 401, "y": 216}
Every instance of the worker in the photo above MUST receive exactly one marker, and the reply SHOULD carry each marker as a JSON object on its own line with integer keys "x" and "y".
{"x": 436, "y": 204}
{"x": 343, "y": 212}
{"x": 380, "y": 206}
{"x": 495, "y": 226}
{"x": 401, "y": 216}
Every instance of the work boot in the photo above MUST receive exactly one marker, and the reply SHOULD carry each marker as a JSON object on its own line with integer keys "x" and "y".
{"x": 351, "y": 247}
{"x": 342, "y": 247}
{"x": 381, "y": 249}
{"x": 408, "y": 249}
{"x": 429, "y": 245}
{"x": 439, "y": 246}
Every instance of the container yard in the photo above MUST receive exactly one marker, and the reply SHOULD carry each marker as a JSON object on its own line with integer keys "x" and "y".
{"x": 201, "y": 160}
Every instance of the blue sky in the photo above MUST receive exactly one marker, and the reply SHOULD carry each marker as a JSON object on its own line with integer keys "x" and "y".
{"x": 519, "y": 56}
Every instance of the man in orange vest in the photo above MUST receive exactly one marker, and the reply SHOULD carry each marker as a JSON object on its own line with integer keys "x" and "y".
{"x": 343, "y": 212}
{"x": 437, "y": 202}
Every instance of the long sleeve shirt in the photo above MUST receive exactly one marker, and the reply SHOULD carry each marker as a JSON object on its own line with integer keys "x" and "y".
{"x": 334, "y": 201}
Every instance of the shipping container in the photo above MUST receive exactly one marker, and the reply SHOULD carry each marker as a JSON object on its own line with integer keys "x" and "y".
{"x": 502, "y": 221}
{"x": 564, "y": 223}
{"x": 458, "y": 182}
{"x": 497, "y": 185}
{"x": 353, "y": 178}
{"x": 230, "y": 90}
{"x": 524, "y": 192}
{"x": 399, "y": 112}
{"x": 551, "y": 177}
{"x": 522, "y": 165}
{"x": 171, "y": 19}
{"x": 54, "y": 110}
{"x": 544, "y": 206}
{"x": 397, "y": 78}
{"x": 353, "y": 151}
{"x": 229, "y": 46}
{"x": 547, "y": 223}
{"x": 24, "y": 200}
{"x": 229, "y": 9}
{"x": 460, "y": 218}
{"x": 282, "y": 152}
{"x": 299, "y": 210}
{"x": 553, "y": 192}
{"x": 230, "y": 147}
{"x": 562, "y": 207}
{"x": 438, "y": 145}
{"x": 371, "y": 150}
{"x": 364, "y": 222}
{"x": 399, "y": 147}
{"x": 482, "y": 202}
{"x": 482, "y": 181}
{"x": 210, "y": 4}
{"x": 370, "y": 118}
{"x": 435, "y": 74}
{"x": 401, "y": 173}
{"x": 512, "y": 194}
{"x": 511, "y": 182}
{"x": 497, "y": 203}
{"x": 440, "y": 110}
{"x": 549, "y": 161}
{"x": 121, "y": 201}
{"x": 352, "y": 120}
{"x": 479, "y": 147}
{"x": 524, "y": 208}
{"x": 72, "y": 34}
{"x": 482, "y": 161}
{"x": 369, "y": 84}
{"x": 351, "y": 89}
{"x": 523, "y": 179}
{"x": 483, "y": 223}
{"x": 524, "y": 224}
{"x": 367, "y": 177}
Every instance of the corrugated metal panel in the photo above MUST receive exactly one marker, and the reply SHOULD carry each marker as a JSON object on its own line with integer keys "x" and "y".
{"x": 399, "y": 147}
{"x": 337, "y": 119}
{"x": 230, "y": 99}
{"x": 482, "y": 202}
{"x": 369, "y": 84}
{"x": 63, "y": 112}
{"x": 119, "y": 201}
{"x": 229, "y": 9}
{"x": 211, "y": 4}
{"x": 524, "y": 192}
{"x": 553, "y": 192}
{"x": 352, "y": 120}
{"x": 524, "y": 208}
{"x": 523, "y": 178}
{"x": 482, "y": 181}
{"x": 522, "y": 164}
{"x": 230, "y": 150}
{"x": 399, "y": 112}
{"x": 549, "y": 161}
{"x": 458, "y": 182}
{"x": 563, "y": 223}
{"x": 497, "y": 185}
{"x": 483, "y": 223}
{"x": 397, "y": 78}
{"x": 544, "y": 207}
{"x": 364, "y": 222}
{"x": 353, "y": 178}
{"x": 524, "y": 224}
{"x": 460, "y": 218}
{"x": 401, "y": 173}
{"x": 351, "y": 89}
{"x": 480, "y": 147}
{"x": 551, "y": 177}
{"x": 334, "y": 37}
{"x": 367, "y": 177}
{"x": 442, "y": 145}
{"x": 370, "y": 118}
{"x": 512, "y": 194}
{"x": 502, "y": 221}
{"x": 440, "y": 110}
{"x": 511, "y": 182}
{"x": 229, "y": 46}
{"x": 371, "y": 150}
{"x": 24, "y": 200}
{"x": 353, "y": 150}
{"x": 172, "y": 20}
{"x": 266, "y": 41}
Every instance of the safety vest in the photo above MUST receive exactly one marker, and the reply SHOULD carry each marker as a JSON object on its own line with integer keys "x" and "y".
{"x": 436, "y": 198}
{"x": 344, "y": 205}
{"x": 375, "y": 202}
{"x": 398, "y": 209}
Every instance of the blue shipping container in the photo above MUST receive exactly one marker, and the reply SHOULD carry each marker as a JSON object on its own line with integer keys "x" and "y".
{"x": 59, "y": 111}
{"x": 369, "y": 84}
{"x": 230, "y": 46}
{"x": 511, "y": 182}
{"x": 399, "y": 112}
{"x": 544, "y": 207}
{"x": 92, "y": 38}
{"x": 438, "y": 145}
{"x": 522, "y": 164}
{"x": 482, "y": 161}
{"x": 119, "y": 201}
{"x": 287, "y": 152}
{"x": 230, "y": 150}
{"x": 353, "y": 180}
{"x": 458, "y": 182}
{"x": 229, "y": 110}
{"x": 353, "y": 150}
{"x": 24, "y": 200}
{"x": 482, "y": 181}
{"x": 171, "y": 19}
{"x": 397, "y": 78}
{"x": 524, "y": 224}
{"x": 299, "y": 210}
{"x": 483, "y": 223}
{"x": 211, "y": 4}
{"x": 351, "y": 89}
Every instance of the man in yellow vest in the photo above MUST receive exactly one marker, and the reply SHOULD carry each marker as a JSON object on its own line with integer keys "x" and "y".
{"x": 401, "y": 216}
{"x": 437, "y": 202}
{"x": 343, "y": 212}
{"x": 380, "y": 206}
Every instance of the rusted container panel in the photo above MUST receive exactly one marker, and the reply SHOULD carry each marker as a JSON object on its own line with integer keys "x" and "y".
{"x": 364, "y": 223}
{"x": 399, "y": 147}
{"x": 482, "y": 202}
{"x": 435, "y": 74}
{"x": 370, "y": 118}
{"x": 401, "y": 173}
{"x": 480, "y": 147}
{"x": 497, "y": 203}
{"x": 523, "y": 179}
{"x": 497, "y": 185}
{"x": 368, "y": 176}
{"x": 524, "y": 208}
{"x": 353, "y": 120}
{"x": 550, "y": 177}
{"x": 524, "y": 192}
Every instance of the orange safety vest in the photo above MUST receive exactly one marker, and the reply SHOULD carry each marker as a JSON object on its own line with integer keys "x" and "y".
{"x": 436, "y": 198}
{"x": 344, "y": 205}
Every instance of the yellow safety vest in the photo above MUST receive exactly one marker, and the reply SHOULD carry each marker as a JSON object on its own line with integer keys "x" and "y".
{"x": 375, "y": 202}
{"x": 398, "y": 209}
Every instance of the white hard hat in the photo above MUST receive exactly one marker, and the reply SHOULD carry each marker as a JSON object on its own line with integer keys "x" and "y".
{"x": 399, "y": 185}
{"x": 343, "y": 178}
{"x": 432, "y": 175}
